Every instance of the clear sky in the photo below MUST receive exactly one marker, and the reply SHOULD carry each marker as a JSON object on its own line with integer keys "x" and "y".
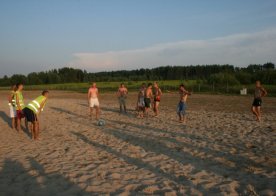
{"x": 99, "y": 35}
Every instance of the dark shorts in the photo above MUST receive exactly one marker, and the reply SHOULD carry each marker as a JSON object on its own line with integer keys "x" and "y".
{"x": 181, "y": 108}
{"x": 257, "y": 102}
{"x": 147, "y": 102}
{"x": 19, "y": 114}
{"x": 29, "y": 115}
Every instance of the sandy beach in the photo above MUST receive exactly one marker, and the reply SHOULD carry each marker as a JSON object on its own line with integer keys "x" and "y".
{"x": 221, "y": 150}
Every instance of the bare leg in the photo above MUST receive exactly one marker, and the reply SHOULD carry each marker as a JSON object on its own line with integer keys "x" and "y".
{"x": 125, "y": 108}
{"x": 37, "y": 130}
{"x": 253, "y": 109}
{"x": 97, "y": 112}
{"x": 33, "y": 129}
{"x": 180, "y": 117}
{"x": 91, "y": 112}
{"x": 258, "y": 111}
{"x": 156, "y": 108}
{"x": 13, "y": 123}
{"x": 121, "y": 108}
{"x": 19, "y": 125}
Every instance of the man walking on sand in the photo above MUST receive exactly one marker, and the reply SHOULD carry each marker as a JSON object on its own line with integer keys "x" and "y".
{"x": 148, "y": 98}
{"x": 19, "y": 100}
{"x": 182, "y": 106}
{"x": 32, "y": 110}
{"x": 93, "y": 100}
{"x": 157, "y": 98}
{"x": 257, "y": 102}
{"x": 122, "y": 96}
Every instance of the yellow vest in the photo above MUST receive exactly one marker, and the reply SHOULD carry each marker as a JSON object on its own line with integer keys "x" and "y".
{"x": 35, "y": 105}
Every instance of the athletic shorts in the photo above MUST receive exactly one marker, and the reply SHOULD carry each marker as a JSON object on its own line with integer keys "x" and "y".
{"x": 12, "y": 111}
{"x": 141, "y": 102}
{"x": 122, "y": 100}
{"x": 257, "y": 102}
{"x": 29, "y": 115}
{"x": 147, "y": 102}
{"x": 94, "y": 102}
{"x": 181, "y": 108}
{"x": 20, "y": 114}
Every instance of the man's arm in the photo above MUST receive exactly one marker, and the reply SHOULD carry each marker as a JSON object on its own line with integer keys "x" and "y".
{"x": 10, "y": 98}
{"x": 264, "y": 92}
{"x": 187, "y": 92}
{"x": 17, "y": 101}
{"x": 88, "y": 94}
{"x": 160, "y": 92}
{"x": 41, "y": 106}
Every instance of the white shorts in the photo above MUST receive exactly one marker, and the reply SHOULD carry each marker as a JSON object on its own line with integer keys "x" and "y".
{"x": 94, "y": 102}
{"x": 141, "y": 102}
{"x": 12, "y": 111}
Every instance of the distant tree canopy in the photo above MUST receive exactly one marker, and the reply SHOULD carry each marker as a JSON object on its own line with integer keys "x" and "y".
{"x": 218, "y": 74}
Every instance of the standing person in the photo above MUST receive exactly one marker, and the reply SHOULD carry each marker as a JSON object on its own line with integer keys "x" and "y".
{"x": 257, "y": 102}
{"x": 19, "y": 100}
{"x": 32, "y": 110}
{"x": 182, "y": 106}
{"x": 157, "y": 98}
{"x": 12, "y": 106}
{"x": 141, "y": 101}
{"x": 148, "y": 98}
{"x": 122, "y": 96}
{"x": 93, "y": 100}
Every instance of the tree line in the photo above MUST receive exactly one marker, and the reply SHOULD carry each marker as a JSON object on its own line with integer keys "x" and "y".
{"x": 218, "y": 74}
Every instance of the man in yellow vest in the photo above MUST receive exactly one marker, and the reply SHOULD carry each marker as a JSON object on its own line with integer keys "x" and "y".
{"x": 19, "y": 99}
{"x": 32, "y": 110}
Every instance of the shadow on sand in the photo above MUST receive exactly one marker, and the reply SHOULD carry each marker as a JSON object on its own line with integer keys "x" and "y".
{"x": 17, "y": 180}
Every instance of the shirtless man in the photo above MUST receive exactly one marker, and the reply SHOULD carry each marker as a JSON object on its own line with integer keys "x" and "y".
{"x": 257, "y": 102}
{"x": 157, "y": 98}
{"x": 148, "y": 98}
{"x": 122, "y": 95}
{"x": 93, "y": 100}
{"x": 181, "y": 108}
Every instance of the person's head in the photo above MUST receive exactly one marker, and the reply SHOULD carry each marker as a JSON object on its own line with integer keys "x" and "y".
{"x": 258, "y": 83}
{"x": 45, "y": 93}
{"x": 19, "y": 86}
{"x": 155, "y": 84}
{"x": 122, "y": 85}
{"x": 13, "y": 87}
{"x": 94, "y": 85}
{"x": 181, "y": 87}
{"x": 150, "y": 85}
{"x": 143, "y": 85}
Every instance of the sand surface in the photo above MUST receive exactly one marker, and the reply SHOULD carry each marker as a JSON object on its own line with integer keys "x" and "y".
{"x": 221, "y": 150}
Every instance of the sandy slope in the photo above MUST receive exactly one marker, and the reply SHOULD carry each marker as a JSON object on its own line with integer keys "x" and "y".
{"x": 220, "y": 151}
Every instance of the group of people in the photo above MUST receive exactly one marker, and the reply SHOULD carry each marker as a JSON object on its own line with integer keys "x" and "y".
{"x": 19, "y": 111}
{"x": 149, "y": 96}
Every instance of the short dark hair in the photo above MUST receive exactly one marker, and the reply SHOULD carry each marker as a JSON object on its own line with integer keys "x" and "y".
{"x": 181, "y": 85}
{"x": 18, "y": 84}
{"x": 150, "y": 84}
{"x": 44, "y": 92}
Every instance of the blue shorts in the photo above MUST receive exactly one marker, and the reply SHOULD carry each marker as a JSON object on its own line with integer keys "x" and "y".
{"x": 181, "y": 108}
